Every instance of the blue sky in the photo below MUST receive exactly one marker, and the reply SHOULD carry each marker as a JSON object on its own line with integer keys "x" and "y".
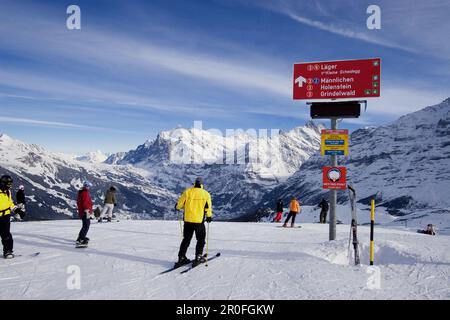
{"x": 139, "y": 67}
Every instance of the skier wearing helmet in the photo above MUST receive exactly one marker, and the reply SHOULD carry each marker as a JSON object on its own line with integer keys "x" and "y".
{"x": 197, "y": 206}
{"x": 84, "y": 204}
{"x": 6, "y": 208}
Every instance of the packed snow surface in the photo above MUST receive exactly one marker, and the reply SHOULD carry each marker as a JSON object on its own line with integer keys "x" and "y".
{"x": 258, "y": 261}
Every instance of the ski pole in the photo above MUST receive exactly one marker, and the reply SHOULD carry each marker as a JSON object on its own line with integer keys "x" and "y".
{"x": 372, "y": 224}
{"x": 207, "y": 246}
{"x": 181, "y": 225}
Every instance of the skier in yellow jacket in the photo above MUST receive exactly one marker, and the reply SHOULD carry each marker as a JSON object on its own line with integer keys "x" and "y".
{"x": 6, "y": 208}
{"x": 197, "y": 206}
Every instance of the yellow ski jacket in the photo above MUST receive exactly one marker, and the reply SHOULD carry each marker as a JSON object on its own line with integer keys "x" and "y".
{"x": 196, "y": 202}
{"x": 6, "y": 203}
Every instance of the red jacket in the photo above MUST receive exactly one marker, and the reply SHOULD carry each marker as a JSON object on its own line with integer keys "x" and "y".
{"x": 84, "y": 202}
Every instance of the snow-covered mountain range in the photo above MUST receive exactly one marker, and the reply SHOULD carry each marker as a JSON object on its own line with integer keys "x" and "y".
{"x": 51, "y": 182}
{"x": 404, "y": 165}
{"x": 238, "y": 169}
{"x": 151, "y": 177}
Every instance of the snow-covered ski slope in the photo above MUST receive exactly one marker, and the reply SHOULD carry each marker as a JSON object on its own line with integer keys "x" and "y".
{"x": 259, "y": 261}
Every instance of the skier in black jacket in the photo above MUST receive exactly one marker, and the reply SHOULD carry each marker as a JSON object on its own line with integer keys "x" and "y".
{"x": 20, "y": 200}
{"x": 323, "y": 213}
{"x": 279, "y": 211}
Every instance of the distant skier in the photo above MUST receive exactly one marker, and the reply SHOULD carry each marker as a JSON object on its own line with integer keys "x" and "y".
{"x": 323, "y": 213}
{"x": 197, "y": 205}
{"x": 21, "y": 201}
{"x": 294, "y": 209}
{"x": 84, "y": 204}
{"x": 6, "y": 208}
{"x": 109, "y": 204}
{"x": 430, "y": 230}
{"x": 279, "y": 211}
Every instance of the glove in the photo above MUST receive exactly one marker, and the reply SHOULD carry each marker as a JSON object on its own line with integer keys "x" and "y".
{"x": 87, "y": 213}
{"x": 176, "y": 209}
{"x": 20, "y": 212}
{"x": 208, "y": 219}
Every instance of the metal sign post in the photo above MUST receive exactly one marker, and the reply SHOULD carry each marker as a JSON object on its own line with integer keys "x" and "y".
{"x": 333, "y": 192}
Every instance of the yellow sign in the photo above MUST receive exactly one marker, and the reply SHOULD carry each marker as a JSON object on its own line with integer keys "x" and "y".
{"x": 334, "y": 142}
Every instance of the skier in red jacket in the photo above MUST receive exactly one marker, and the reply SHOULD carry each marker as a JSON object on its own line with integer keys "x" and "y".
{"x": 84, "y": 204}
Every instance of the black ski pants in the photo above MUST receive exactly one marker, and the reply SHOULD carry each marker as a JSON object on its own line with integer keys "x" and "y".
{"x": 291, "y": 214}
{"x": 188, "y": 232}
{"x": 85, "y": 227}
{"x": 7, "y": 239}
{"x": 323, "y": 216}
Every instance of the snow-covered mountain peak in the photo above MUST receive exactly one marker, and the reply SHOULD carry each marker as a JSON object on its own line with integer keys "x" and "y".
{"x": 93, "y": 157}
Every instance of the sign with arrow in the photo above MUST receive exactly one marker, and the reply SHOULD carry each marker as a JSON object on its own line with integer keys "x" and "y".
{"x": 341, "y": 79}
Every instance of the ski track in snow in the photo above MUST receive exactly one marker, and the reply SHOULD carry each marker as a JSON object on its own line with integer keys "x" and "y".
{"x": 258, "y": 261}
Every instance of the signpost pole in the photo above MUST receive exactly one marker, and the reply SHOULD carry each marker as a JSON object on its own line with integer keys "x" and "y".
{"x": 333, "y": 192}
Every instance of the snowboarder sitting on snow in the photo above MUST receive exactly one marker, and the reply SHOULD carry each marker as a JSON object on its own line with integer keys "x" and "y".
{"x": 279, "y": 211}
{"x": 84, "y": 204}
{"x": 293, "y": 210}
{"x": 323, "y": 213}
{"x": 197, "y": 205}
{"x": 6, "y": 208}
{"x": 20, "y": 199}
{"x": 430, "y": 230}
{"x": 110, "y": 203}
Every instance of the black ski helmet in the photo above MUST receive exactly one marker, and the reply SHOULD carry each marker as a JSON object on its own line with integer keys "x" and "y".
{"x": 6, "y": 182}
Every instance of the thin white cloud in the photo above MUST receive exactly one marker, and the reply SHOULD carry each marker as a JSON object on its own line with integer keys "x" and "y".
{"x": 347, "y": 32}
{"x": 43, "y": 123}
{"x": 418, "y": 27}
{"x": 396, "y": 101}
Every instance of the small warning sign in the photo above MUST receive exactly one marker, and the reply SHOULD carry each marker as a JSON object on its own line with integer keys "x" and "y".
{"x": 335, "y": 178}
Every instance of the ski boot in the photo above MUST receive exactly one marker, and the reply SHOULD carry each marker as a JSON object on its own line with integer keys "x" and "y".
{"x": 82, "y": 243}
{"x": 100, "y": 220}
{"x": 292, "y": 225}
{"x": 181, "y": 262}
{"x": 199, "y": 259}
{"x": 109, "y": 220}
{"x": 8, "y": 255}
{"x": 284, "y": 225}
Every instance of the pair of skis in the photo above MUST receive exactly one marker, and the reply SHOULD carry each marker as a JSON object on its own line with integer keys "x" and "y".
{"x": 191, "y": 267}
{"x": 353, "y": 237}
{"x": 31, "y": 255}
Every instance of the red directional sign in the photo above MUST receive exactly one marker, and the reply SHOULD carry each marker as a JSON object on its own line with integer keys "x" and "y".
{"x": 337, "y": 79}
{"x": 334, "y": 178}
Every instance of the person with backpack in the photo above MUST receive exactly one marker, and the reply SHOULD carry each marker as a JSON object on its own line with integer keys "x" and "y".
{"x": 279, "y": 211}
{"x": 6, "y": 208}
{"x": 84, "y": 204}
{"x": 20, "y": 200}
{"x": 197, "y": 205}
{"x": 323, "y": 213}
{"x": 109, "y": 204}
{"x": 294, "y": 209}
